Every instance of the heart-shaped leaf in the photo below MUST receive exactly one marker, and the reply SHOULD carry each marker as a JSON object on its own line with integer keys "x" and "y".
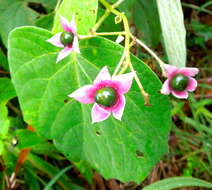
{"x": 127, "y": 149}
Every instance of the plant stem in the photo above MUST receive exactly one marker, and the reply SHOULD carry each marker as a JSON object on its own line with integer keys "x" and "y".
{"x": 161, "y": 63}
{"x": 126, "y": 53}
{"x": 94, "y": 34}
{"x": 105, "y": 15}
{"x": 200, "y": 9}
{"x": 100, "y": 21}
{"x": 119, "y": 64}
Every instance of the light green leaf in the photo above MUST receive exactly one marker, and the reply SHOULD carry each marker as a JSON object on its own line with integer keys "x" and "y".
{"x": 85, "y": 13}
{"x": 7, "y": 90}
{"x": 4, "y": 122}
{"x": 173, "y": 31}
{"x": 1, "y": 147}
{"x": 177, "y": 182}
{"x": 126, "y": 150}
{"x": 14, "y": 13}
{"x": 27, "y": 138}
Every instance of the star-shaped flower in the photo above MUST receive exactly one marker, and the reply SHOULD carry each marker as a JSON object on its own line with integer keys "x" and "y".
{"x": 107, "y": 94}
{"x": 180, "y": 81}
{"x": 68, "y": 39}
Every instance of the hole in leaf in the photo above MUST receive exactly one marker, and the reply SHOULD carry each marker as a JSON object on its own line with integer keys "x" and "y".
{"x": 139, "y": 154}
{"x": 98, "y": 133}
{"x": 65, "y": 101}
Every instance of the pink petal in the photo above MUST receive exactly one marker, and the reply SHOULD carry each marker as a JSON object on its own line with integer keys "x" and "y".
{"x": 76, "y": 45}
{"x": 124, "y": 81}
{"x": 118, "y": 109}
{"x": 64, "y": 53}
{"x": 170, "y": 69}
{"x": 192, "y": 84}
{"x": 180, "y": 94}
{"x": 165, "y": 88}
{"x": 55, "y": 40}
{"x": 99, "y": 114}
{"x": 73, "y": 26}
{"x": 103, "y": 75}
{"x": 84, "y": 94}
{"x": 65, "y": 24}
{"x": 189, "y": 71}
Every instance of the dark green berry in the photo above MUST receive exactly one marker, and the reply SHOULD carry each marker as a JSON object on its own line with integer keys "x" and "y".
{"x": 179, "y": 82}
{"x": 105, "y": 96}
{"x": 66, "y": 38}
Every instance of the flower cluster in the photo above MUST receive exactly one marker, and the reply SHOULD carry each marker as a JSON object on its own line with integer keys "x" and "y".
{"x": 106, "y": 92}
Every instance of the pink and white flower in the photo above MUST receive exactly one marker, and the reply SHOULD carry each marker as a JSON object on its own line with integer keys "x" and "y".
{"x": 71, "y": 29}
{"x": 120, "y": 84}
{"x": 174, "y": 75}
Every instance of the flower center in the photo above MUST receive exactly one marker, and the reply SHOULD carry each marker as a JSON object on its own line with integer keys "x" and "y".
{"x": 105, "y": 96}
{"x": 66, "y": 38}
{"x": 179, "y": 82}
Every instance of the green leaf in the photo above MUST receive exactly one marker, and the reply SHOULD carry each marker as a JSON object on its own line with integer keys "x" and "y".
{"x": 14, "y": 13}
{"x": 7, "y": 90}
{"x": 47, "y": 3}
{"x": 1, "y": 147}
{"x": 56, "y": 177}
{"x": 4, "y": 122}
{"x": 126, "y": 7}
{"x": 45, "y": 21}
{"x": 146, "y": 18}
{"x": 109, "y": 24}
{"x": 3, "y": 61}
{"x": 31, "y": 179}
{"x": 173, "y": 31}
{"x": 50, "y": 170}
{"x": 177, "y": 182}
{"x": 27, "y": 138}
{"x": 125, "y": 150}
{"x": 85, "y": 13}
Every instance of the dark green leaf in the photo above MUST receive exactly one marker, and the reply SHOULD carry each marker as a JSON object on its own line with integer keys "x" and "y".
{"x": 14, "y": 13}
{"x": 3, "y": 61}
{"x": 147, "y": 20}
{"x": 45, "y": 21}
{"x": 7, "y": 90}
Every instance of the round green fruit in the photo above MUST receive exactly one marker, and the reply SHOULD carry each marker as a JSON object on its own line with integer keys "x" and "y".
{"x": 179, "y": 82}
{"x": 66, "y": 38}
{"x": 106, "y": 96}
